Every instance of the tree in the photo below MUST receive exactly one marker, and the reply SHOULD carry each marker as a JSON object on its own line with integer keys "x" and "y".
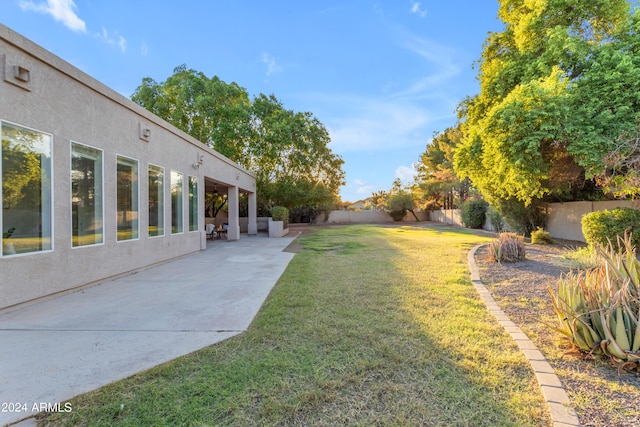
{"x": 290, "y": 155}
{"x": 520, "y": 133}
{"x": 397, "y": 201}
{"x": 288, "y": 151}
{"x": 210, "y": 110}
{"x": 436, "y": 182}
{"x": 605, "y": 106}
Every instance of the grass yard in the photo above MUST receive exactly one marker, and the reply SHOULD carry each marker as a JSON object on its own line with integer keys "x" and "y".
{"x": 368, "y": 326}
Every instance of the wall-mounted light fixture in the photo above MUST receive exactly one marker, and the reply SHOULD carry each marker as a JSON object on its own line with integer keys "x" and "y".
{"x": 145, "y": 131}
{"x": 16, "y": 70}
{"x": 21, "y": 74}
{"x": 199, "y": 161}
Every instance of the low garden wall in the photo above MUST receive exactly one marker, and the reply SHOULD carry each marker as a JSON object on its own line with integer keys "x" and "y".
{"x": 563, "y": 219}
{"x": 366, "y": 217}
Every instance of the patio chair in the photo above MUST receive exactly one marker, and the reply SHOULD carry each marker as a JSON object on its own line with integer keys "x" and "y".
{"x": 223, "y": 230}
{"x": 210, "y": 230}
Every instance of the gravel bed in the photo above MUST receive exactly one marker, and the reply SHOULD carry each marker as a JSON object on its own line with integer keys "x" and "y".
{"x": 600, "y": 394}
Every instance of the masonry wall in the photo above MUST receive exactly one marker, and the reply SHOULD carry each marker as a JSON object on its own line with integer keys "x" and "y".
{"x": 366, "y": 217}
{"x": 563, "y": 219}
{"x": 71, "y": 106}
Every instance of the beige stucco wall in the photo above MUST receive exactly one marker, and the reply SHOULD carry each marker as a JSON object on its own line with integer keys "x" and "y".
{"x": 366, "y": 217}
{"x": 564, "y": 220}
{"x": 70, "y": 105}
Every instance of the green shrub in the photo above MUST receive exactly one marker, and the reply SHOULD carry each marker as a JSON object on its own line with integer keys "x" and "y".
{"x": 397, "y": 215}
{"x": 473, "y": 213}
{"x": 280, "y": 213}
{"x": 522, "y": 218}
{"x": 601, "y": 227}
{"x": 495, "y": 219}
{"x": 398, "y": 204}
{"x": 508, "y": 247}
{"x": 597, "y": 307}
{"x": 541, "y": 237}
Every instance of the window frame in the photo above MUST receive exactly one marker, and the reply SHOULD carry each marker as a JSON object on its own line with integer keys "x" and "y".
{"x": 102, "y": 198}
{"x": 180, "y": 204}
{"x": 161, "y": 209}
{"x": 137, "y": 196}
{"x": 51, "y": 198}
{"x": 193, "y": 227}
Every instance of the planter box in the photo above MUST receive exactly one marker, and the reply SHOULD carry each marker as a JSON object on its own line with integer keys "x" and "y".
{"x": 276, "y": 228}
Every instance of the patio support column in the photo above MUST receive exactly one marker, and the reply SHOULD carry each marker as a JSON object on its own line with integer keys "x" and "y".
{"x": 234, "y": 213}
{"x": 253, "y": 214}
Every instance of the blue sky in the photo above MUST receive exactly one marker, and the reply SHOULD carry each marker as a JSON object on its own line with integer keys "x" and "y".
{"x": 381, "y": 75}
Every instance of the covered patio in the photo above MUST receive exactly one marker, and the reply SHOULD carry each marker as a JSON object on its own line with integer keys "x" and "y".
{"x": 220, "y": 196}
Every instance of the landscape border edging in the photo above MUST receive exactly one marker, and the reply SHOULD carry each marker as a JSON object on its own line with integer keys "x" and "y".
{"x": 562, "y": 414}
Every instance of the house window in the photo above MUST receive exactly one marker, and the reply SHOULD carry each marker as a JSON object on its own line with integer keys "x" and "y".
{"x": 176, "y": 202}
{"x": 193, "y": 203}
{"x": 127, "y": 198}
{"x": 86, "y": 195}
{"x": 156, "y": 201}
{"x": 26, "y": 214}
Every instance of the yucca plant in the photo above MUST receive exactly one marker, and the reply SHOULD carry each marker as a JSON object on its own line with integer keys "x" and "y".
{"x": 599, "y": 308}
{"x": 508, "y": 247}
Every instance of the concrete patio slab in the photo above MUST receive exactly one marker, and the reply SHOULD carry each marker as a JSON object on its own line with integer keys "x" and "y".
{"x": 61, "y": 347}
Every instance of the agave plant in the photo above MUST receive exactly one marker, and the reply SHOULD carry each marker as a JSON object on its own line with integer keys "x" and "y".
{"x": 599, "y": 308}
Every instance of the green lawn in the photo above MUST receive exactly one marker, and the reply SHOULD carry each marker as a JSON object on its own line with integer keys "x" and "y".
{"x": 369, "y": 326}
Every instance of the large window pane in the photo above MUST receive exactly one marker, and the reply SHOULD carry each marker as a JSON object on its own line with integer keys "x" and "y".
{"x": 127, "y": 209}
{"x": 176, "y": 202}
{"x": 156, "y": 201}
{"x": 26, "y": 190}
{"x": 86, "y": 195}
{"x": 193, "y": 203}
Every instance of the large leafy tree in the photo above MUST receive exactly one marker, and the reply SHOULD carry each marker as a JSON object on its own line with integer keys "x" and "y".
{"x": 290, "y": 155}
{"x": 604, "y": 119}
{"x": 520, "y": 133}
{"x": 288, "y": 151}
{"x": 212, "y": 111}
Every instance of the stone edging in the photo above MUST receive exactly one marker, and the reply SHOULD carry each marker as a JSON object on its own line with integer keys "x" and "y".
{"x": 562, "y": 414}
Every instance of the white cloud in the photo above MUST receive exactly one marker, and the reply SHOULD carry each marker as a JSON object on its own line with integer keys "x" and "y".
{"x": 60, "y": 10}
{"x": 359, "y": 123}
{"x": 270, "y": 62}
{"x": 357, "y": 189}
{"x": 113, "y": 40}
{"x": 406, "y": 174}
{"x": 442, "y": 60}
{"x": 395, "y": 119}
{"x": 416, "y": 8}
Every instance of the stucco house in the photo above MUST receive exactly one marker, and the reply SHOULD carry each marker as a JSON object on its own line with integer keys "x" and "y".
{"x": 93, "y": 185}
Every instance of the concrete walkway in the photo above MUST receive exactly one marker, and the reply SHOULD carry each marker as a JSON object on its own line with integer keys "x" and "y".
{"x": 56, "y": 349}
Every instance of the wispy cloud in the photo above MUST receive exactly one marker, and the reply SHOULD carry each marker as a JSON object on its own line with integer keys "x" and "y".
{"x": 65, "y": 12}
{"x": 362, "y": 187}
{"x": 361, "y": 123}
{"x": 60, "y": 10}
{"x": 270, "y": 61}
{"x": 417, "y": 9}
{"x": 113, "y": 40}
{"x": 442, "y": 61}
{"x": 395, "y": 119}
{"x": 406, "y": 174}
